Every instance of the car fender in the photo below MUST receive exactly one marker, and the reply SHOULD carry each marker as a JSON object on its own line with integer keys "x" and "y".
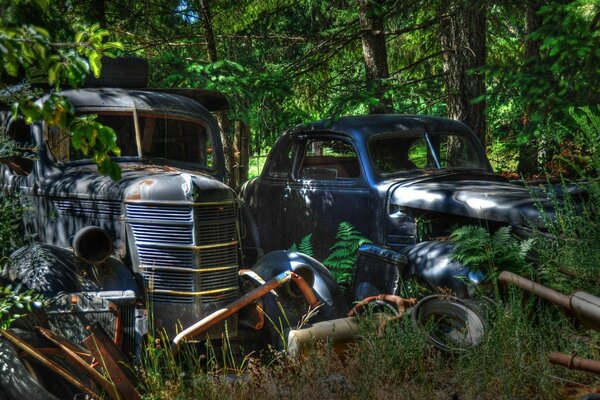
{"x": 432, "y": 263}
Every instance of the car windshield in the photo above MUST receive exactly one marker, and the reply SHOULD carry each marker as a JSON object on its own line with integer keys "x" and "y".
{"x": 168, "y": 137}
{"x": 397, "y": 153}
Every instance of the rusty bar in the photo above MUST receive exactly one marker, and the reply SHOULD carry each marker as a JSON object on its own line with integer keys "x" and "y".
{"x": 401, "y": 303}
{"x": 59, "y": 370}
{"x": 69, "y": 351}
{"x": 113, "y": 361}
{"x": 307, "y": 292}
{"x": 573, "y": 362}
{"x": 535, "y": 288}
{"x": 219, "y": 315}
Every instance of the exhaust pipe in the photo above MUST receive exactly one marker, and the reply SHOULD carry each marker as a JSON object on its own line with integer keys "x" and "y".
{"x": 93, "y": 244}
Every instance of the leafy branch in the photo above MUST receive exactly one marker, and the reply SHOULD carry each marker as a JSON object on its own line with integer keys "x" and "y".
{"x": 29, "y": 48}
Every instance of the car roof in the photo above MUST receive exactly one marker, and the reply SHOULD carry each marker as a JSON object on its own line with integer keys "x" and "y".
{"x": 365, "y": 126}
{"x": 113, "y": 99}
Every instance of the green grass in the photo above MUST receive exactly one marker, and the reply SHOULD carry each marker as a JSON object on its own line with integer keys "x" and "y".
{"x": 399, "y": 363}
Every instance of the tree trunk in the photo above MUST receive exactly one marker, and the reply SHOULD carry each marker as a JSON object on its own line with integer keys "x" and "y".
{"x": 462, "y": 37}
{"x": 97, "y": 12}
{"x": 227, "y": 137}
{"x": 528, "y": 152}
{"x": 375, "y": 53}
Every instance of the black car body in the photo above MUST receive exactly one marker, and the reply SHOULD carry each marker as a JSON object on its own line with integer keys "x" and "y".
{"x": 400, "y": 179}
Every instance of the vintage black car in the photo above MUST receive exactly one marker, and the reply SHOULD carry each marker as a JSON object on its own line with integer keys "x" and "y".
{"x": 400, "y": 179}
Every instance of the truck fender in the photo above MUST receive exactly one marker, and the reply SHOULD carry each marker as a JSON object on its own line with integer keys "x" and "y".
{"x": 286, "y": 309}
{"x": 431, "y": 263}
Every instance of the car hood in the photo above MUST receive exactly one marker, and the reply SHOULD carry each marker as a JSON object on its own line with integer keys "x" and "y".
{"x": 139, "y": 182}
{"x": 484, "y": 197}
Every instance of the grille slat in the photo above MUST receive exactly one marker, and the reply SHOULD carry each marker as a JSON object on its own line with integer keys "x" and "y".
{"x": 159, "y": 213}
{"x": 85, "y": 208}
{"x": 164, "y": 235}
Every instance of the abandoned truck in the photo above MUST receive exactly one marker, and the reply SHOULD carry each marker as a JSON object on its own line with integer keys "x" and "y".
{"x": 164, "y": 237}
{"x": 401, "y": 180}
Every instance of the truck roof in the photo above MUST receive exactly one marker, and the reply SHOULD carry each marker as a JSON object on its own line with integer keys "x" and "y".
{"x": 364, "y": 126}
{"x": 150, "y": 100}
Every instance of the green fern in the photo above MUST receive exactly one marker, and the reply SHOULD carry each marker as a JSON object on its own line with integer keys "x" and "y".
{"x": 305, "y": 245}
{"x": 480, "y": 250}
{"x": 343, "y": 253}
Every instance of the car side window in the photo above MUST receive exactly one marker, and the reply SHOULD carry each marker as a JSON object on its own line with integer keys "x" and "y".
{"x": 20, "y": 161}
{"x": 328, "y": 159}
{"x": 280, "y": 166}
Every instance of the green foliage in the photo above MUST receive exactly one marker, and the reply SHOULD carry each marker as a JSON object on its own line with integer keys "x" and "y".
{"x": 570, "y": 257}
{"x": 479, "y": 249}
{"x": 30, "y": 52}
{"x": 305, "y": 245}
{"x": 343, "y": 253}
{"x": 12, "y": 208}
{"x": 15, "y": 303}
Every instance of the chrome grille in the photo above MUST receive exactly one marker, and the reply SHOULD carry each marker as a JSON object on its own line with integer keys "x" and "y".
{"x": 218, "y": 279}
{"x": 218, "y": 297}
{"x": 163, "y": 234}
{"x": 219, "y": 233}
{"x": 218, "y": 257}
{"x": 211, "y": 213}
{"x": 169, "y": 280}
{"x": 166, "y": 241}
{"x": 159, "y": 213}
{"x": 161, "y": 257}
{"x": 169, "y": 298}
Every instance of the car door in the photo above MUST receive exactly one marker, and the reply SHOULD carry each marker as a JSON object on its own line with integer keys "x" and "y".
{"x": 327, "y": 187}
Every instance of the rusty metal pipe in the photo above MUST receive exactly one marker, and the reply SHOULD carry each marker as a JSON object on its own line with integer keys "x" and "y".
{"x": 307, "y": 292}
{"x": 206, "y": 323}
{"x": 537, "y": 289}
{"x": 573, "y": 362}
{"x": 401, "y": 303}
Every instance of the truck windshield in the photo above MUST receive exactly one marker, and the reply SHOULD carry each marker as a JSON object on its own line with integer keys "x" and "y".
{"x": 172, "y": 138}
{"x": 397, "y": 153}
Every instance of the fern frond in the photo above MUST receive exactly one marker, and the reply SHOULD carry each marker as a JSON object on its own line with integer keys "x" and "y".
{"x": 305, "y": 246}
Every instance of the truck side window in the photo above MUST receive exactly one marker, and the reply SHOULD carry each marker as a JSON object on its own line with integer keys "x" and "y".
{"x": 21, "y": 163}
{"x": 329, "y": 159}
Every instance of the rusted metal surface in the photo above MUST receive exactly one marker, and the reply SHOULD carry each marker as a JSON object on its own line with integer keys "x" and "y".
{"x": 113, "y": 362}
{"x": 72, "y": 354}
{"x": 535, "y": 288}
{"x": 574, "y": 362}
{"x": 586, "y": 308}
{"x": 400, "y": 303}
{"x": 338, "y": 332}
{"x": 306, "y": 290}
{"x": 53, "y": 366}
{"x": 206, "y": 323}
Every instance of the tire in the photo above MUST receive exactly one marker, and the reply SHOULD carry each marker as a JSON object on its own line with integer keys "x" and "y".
{"x": 121, "y": 72}
{"x": 29, "y": 380}
{"x": 48, "y": 270}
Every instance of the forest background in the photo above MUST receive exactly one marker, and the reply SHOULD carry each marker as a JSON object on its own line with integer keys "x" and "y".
{"x": 511, "y": 70}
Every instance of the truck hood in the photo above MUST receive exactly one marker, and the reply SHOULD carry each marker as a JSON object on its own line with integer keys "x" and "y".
{"x": 483, "y": 197}
{"x": 139, "y": 182}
